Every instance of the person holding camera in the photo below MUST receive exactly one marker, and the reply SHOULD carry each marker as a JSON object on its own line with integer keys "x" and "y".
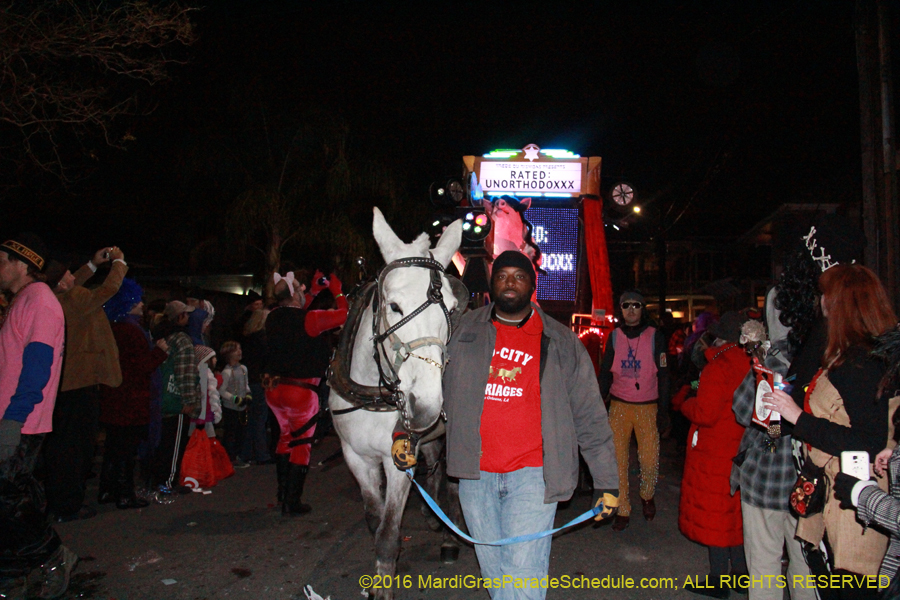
{"x": 91, "y": 359}
{"x": 874, "y": 505}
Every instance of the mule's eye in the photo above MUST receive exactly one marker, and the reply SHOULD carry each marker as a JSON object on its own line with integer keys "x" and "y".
{"x": 396, "y": 308}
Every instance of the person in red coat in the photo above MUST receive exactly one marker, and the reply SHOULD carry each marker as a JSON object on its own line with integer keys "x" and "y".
{"x": 125, "y": 410}
{"x": 708, "y": 513}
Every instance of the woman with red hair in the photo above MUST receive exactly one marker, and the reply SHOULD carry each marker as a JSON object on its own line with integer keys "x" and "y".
{"x": 845, "y": 410}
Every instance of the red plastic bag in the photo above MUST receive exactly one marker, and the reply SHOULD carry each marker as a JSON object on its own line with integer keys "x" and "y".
{"x": 221, "y": 464}
{"x": 197, "y": 467}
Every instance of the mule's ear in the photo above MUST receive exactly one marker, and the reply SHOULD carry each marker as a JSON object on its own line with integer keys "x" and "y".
{"x": 390, "y": 245}
{"x": 525, "y": 203}
{"x": 448, "y": 243}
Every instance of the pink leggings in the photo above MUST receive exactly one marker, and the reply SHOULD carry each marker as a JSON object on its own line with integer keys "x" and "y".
{"x": 294, "y": 407}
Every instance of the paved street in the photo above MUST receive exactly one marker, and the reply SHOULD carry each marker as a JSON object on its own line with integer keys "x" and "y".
{"x": 234, "y": 543}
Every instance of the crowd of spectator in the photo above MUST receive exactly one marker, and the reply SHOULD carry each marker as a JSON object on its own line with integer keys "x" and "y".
{"x": 755, "y": 398}
{"x": 78, "y": 359}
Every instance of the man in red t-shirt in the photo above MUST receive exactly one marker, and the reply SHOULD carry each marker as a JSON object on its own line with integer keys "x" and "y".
{"x": 521, "y": 400}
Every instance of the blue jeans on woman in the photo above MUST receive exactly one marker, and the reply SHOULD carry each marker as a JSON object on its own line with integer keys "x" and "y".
{"x": 502, "y": 505}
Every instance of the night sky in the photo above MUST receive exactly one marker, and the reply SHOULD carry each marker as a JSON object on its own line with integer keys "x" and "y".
{"x": 716, "y": 112}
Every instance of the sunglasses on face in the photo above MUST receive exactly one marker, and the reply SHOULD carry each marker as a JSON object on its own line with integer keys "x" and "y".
{"x": 627, "y": 305}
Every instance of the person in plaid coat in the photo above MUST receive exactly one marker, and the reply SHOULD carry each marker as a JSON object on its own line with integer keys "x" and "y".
{"x": 166, "y": 462}
{"x": 764, "y": 472}
{"x": 875, "y": 506}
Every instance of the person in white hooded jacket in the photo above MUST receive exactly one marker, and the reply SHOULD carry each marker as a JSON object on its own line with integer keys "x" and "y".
{"x": 210, "y": 402}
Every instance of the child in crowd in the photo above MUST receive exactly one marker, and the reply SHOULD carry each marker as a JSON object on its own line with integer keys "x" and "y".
{"x": 235, "y": 394}
{"x": 206, "y": 462}
{"x": 211, "y": 405}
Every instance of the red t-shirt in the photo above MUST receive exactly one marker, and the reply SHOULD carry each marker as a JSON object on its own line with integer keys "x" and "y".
{"x": 511, "y": 417}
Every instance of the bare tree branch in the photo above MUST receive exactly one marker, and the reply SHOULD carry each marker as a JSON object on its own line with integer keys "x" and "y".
{"x": 69, "y": 69}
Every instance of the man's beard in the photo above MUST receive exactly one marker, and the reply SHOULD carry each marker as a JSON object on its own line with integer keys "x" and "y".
{"x": 513, "y": 305}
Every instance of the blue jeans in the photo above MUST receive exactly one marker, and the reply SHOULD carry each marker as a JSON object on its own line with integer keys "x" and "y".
{"x": 502, "y": 505}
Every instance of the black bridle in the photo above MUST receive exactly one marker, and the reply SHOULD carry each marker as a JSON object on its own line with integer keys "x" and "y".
{"x": 387, "y": 395}
{"x": 389, "y": 377}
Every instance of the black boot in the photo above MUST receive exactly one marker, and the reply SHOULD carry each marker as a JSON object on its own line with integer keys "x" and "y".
{"x": 282, "y": 463}
{"x": 127, "y": 498}
{"x": 108, "y": 492}
{"x": 296, "y": 477}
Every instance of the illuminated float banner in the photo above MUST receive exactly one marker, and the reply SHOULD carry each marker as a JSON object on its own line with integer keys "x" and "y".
{"x": 523, "y": 178}
{"x": 555, "y": 231}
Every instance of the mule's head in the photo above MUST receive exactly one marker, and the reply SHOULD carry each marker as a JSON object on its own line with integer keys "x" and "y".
{"x": 405, "y": 290}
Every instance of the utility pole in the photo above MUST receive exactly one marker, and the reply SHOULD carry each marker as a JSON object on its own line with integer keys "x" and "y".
{"x": 889, "y": 224}
{"x": 879, "y": 161}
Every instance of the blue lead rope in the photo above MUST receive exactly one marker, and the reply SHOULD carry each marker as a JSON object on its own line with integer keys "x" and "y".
{"x": 593, "y": 512}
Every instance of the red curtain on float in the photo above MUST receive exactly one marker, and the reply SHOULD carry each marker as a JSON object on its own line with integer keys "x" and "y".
{"x": 595, "y": 241}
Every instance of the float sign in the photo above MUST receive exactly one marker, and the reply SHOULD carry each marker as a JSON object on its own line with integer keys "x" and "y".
{"x": 523, "y": 178}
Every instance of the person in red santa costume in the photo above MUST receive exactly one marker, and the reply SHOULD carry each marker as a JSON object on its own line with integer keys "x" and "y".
{"x": 297, "y": 359}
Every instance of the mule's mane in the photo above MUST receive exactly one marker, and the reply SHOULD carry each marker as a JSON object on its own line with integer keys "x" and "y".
{"x": 420, "y": 246}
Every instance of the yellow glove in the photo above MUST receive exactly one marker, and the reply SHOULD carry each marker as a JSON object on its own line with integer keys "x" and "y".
{"x": 610, "y": 501}
{"x": 403, "y": 452}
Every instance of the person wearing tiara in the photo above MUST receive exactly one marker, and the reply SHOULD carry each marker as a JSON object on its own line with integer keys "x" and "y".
{"x": 634, "y": 380}
{"x": 297, "y": 359}
{"x": 847, "y": 409}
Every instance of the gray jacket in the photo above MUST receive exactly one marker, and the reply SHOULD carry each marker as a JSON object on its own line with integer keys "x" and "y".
{"x": 572, "y": 414}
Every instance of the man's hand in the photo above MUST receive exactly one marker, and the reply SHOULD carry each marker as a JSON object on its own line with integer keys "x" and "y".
{"x": 10, "y": 435}
{"x": 403, "y": 452}
{"x": 610, "y": 501}
{"x": 101, "y": 256}
{"x": 115, "y": 253}
{"x": 843, "y": 489}
{"x": 162, "y": 344}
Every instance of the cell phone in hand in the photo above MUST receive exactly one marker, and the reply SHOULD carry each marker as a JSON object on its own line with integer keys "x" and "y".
{"x": 855, "y": 464}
